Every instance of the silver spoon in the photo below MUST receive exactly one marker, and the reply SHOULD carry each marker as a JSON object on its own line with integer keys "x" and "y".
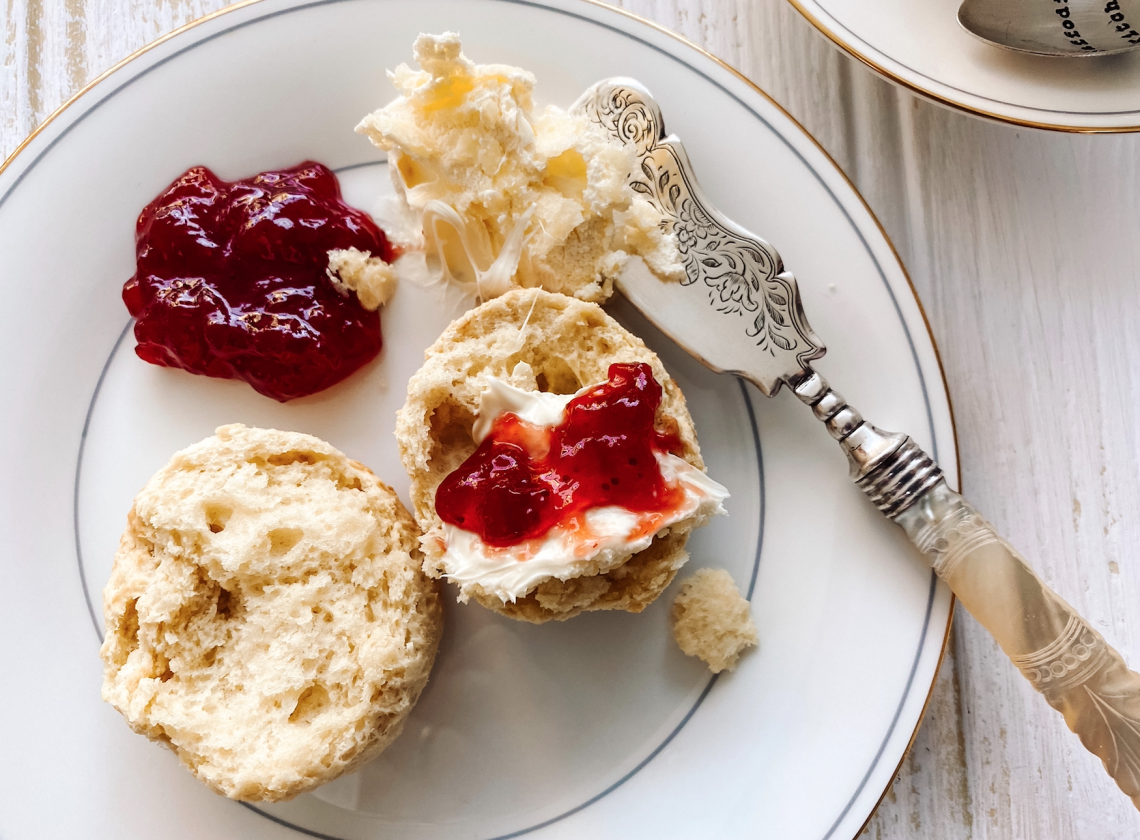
{"x": 1055, "y": 27}
{"x": 739, "y": 311}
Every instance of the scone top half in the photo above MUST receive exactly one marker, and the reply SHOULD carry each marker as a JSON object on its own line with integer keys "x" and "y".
{"x": 267, "y": 615}
{"x": 533, "y": 340}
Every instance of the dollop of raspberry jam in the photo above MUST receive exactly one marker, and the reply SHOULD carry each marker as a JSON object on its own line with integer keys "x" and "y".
{"x": 230, "y": 280}
{"x": 525, "y": 479}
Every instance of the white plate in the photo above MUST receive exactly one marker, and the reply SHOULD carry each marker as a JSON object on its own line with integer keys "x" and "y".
{"x": 597, "y": 727}
{"x": 919, "y": 44}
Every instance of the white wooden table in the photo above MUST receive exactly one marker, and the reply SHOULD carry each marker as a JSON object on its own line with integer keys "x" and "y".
{"x": 1025, "y": 250}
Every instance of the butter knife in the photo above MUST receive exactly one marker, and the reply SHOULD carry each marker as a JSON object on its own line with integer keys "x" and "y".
{"x": 739, "y": 311}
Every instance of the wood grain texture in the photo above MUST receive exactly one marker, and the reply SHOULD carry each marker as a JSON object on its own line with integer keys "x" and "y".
{"x": 52, "y": 48}
{"x": 1024, "y": 247}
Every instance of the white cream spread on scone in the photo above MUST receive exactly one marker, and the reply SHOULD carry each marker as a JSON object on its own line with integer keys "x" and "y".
{"x": 601, "y": 540}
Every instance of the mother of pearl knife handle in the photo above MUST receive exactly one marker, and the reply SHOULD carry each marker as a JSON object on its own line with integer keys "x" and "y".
{"x": 1064, "y": 658}
{"x": 738, "y": 311}
{"x": 1060, "y": 654}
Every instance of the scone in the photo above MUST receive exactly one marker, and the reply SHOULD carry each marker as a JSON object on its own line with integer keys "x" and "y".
{"x": 267, "y": 617}
{"x": 538, "y": 341}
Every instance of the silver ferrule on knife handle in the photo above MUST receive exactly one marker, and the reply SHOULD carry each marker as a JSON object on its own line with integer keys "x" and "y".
{"x": 889, "y": 467}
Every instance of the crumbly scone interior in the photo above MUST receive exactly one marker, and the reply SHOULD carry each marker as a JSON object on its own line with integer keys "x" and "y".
{"x": 535, "y": 340}
{"x": 266, "y": 616}
{"x": 712, "y": 620}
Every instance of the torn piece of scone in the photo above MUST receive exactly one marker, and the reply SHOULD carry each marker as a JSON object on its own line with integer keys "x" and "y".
{"x": 506, "y": 196}
{"x": 554, "y": 464}
{"x": 267, "y": 615}
{"x": 712, "y": 620}
{"x": 353, "y": 270}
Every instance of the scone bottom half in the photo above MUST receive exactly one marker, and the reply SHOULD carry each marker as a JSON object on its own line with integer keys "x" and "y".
{"x": 534, "y": 340}
{"x": 267, "y": 615}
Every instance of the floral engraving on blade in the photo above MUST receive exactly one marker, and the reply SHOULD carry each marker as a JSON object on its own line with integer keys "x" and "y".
{"x": 740, "y": 275}
{"x": 624, "y": 114}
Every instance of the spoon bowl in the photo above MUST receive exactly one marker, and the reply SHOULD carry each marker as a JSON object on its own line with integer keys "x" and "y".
{"x": 1064, "y": 28}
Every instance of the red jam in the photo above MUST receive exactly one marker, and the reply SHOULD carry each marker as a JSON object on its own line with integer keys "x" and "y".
{"x": 525, "y": 479}
{"x": 230, "y": 280}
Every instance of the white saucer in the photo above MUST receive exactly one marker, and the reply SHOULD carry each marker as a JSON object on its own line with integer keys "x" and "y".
{"x": 597, "y": 727}
{"x": 919, "y": 45}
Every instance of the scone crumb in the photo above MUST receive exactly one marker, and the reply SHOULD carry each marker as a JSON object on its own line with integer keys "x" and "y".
{"x": 712, "y": 620}
{"x": 352, "y": 270}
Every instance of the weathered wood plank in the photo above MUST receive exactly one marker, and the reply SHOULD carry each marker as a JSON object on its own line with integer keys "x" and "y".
{"x": 52, "y": 48}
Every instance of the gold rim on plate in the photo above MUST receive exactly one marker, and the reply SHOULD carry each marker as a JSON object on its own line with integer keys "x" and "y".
{"x": 741, "y": 77}
{"x": 954, "y": 104}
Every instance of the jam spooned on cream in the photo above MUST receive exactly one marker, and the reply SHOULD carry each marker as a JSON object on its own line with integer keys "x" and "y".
{"x": 231, "y": 282}
{"x": 524, "y": 479}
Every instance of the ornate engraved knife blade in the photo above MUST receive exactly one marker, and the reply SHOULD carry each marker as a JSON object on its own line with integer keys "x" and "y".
{"x": 737, "y": 310}
{"x": 765, "y": 336}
